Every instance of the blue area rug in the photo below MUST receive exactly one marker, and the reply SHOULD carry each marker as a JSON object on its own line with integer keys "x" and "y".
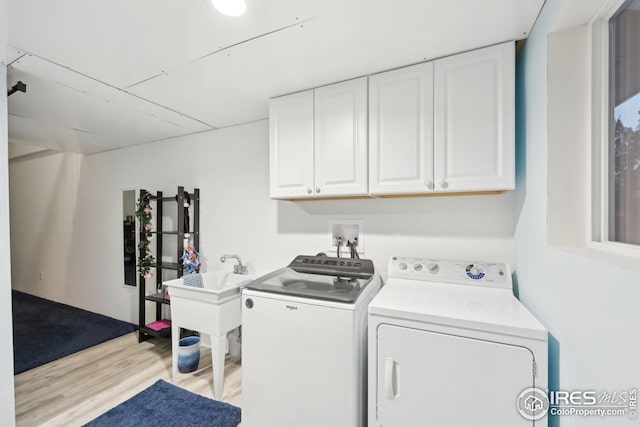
{"x": 164, "y": 404}
{"x": 44, "y": 331}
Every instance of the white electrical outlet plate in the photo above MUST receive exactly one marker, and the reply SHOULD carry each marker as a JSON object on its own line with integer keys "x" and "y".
{"x": 348, "y": 229}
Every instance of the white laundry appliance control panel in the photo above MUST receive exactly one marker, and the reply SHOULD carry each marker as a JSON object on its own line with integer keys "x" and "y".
{"x": 473, "y": 273}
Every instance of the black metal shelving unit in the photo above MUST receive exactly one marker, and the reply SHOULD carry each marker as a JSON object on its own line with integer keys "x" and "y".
{"x": 156, "y": 296}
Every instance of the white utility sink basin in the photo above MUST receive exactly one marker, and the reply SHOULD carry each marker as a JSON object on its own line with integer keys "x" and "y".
{"x": 214, "y": 310}
{"x": 218, "y": 287}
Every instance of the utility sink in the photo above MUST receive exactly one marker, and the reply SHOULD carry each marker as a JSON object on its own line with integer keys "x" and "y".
{"x": 214, "y": 310}
{"x": 219, "y": 286}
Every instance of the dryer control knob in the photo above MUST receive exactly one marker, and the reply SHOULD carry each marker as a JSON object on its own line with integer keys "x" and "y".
{"x": 434, "y": 268}
{"x": 417, "y": 267}
{"x": 475, "y": 271}
{"x": 402, "y": 266}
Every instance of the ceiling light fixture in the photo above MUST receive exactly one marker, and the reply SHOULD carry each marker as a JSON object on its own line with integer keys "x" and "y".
{"x": 230, "y": 7}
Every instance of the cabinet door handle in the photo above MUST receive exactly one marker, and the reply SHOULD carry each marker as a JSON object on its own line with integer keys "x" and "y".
{"x": 429, "y": 184}
{"x": 390, "y": 380}
{"x": 317, "y": 189}
{"x": 443, "y": 184}
{"x": 308, "y": 190}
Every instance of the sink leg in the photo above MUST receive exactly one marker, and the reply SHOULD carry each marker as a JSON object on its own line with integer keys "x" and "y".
{"x": 175, "y": 338}
{"x": 218, "y": 344}
{"x": 234, "y": 347}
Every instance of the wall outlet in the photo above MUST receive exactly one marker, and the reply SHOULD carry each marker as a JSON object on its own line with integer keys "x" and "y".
{"x": 348, "y": 230}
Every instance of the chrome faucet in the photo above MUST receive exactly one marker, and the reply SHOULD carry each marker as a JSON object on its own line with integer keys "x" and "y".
{"x": 238, "y": 268}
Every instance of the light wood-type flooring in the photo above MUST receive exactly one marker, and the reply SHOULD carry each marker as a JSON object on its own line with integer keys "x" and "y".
{"x": 74, "y": 390}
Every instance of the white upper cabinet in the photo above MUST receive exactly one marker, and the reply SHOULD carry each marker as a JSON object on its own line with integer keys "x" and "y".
{"x": 291, "y": 146}
{"x": 318, "y": 142}
{"x": 341, "y": 139}
{"x": 445, "y": 126}
{"x": 475, "y": 120}
{"x": 401, "y": 131}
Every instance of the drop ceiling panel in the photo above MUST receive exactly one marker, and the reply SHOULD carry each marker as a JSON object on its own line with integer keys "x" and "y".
{"x": 378, "y": 35}
{"x": 123, "y": 42}
{"x": 19, "y": 149}
{"x": 51, "y": 136}
{"x": 119, "y": 73}
{"x": 4, "y": 20}
{"x": 234, "y": 86}
{"x": 349, "y": 40}
{"x": 8, "y": 54}
{"x": 66, "y": 100}
{"x": 61, "y": 76}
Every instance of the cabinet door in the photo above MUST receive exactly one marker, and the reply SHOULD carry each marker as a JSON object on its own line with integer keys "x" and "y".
{"x": 432, "y": 379}
{"x": 341, "y": 139}
{"x": 474, "y": 120}
{"x": 291, "y": 146}
{"x": 401, "y": 131}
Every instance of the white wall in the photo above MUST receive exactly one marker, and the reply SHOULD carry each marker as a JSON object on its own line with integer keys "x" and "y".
{"x": 589, "y": 306}
{"x": 43, "y": 195}
{"x": 66, "y": 216}
{"x": 7, "y": 405}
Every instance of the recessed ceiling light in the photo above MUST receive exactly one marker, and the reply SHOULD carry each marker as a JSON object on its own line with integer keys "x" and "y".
{"x": 230, "y": 7}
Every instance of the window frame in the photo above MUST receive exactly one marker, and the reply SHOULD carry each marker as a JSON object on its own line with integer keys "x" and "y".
{"x": 598, "y": 157}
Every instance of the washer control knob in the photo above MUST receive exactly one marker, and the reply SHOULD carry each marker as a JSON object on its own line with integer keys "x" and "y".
{"x": 402, "y": 266}
{"x": 434, "y": 268}
{"x": 249, "y": 303}
{"x": 417, "y": 267}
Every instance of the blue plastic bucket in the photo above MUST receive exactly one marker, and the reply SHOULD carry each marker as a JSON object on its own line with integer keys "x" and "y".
{"x": 188, "y": 354}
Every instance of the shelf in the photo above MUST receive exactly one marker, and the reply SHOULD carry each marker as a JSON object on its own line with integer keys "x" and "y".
{"x": 152, "y": 332}
{"x": 167, "y": 199}
{"x": 174, "y": 232}
{"x": 163, "y": 199}
{"x": 157, "y": 298}
{"x": 168, "y": 266}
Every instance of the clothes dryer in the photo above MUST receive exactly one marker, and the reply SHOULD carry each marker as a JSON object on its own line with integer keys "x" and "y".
{"x": 450, "y": 346}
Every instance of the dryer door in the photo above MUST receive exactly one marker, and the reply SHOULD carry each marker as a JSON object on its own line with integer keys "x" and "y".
{"x": 433, "y": 379}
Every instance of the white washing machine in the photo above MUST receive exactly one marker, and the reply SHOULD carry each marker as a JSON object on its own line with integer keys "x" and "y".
{"x": 304, "y": 350}
{"x": 451, "y": 346}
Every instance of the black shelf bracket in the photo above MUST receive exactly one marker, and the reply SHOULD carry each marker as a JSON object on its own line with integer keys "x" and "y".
{"x": 18, "y": 87}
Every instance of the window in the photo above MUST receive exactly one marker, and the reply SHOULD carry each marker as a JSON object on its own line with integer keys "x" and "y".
{"x": 615, "y": 154}
{"x": 624, "y": 124}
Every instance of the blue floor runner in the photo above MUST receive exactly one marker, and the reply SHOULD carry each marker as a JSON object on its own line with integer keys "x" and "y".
{"x": 164, "y": 404}
{"x": 44, "y": 331}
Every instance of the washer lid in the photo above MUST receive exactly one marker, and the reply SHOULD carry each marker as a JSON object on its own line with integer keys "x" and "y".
{"x": 484, "y": 309}
{"x": 323, "y": 278}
